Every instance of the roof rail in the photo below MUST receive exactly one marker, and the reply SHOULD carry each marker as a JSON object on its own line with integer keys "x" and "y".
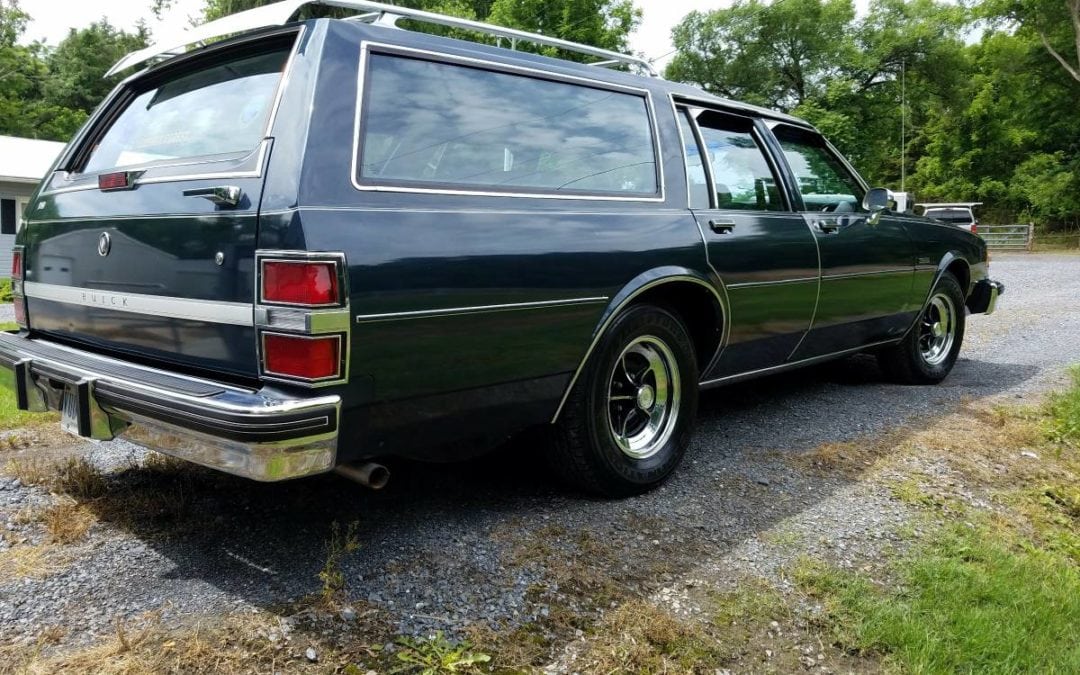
{"x": 379, "y": 13}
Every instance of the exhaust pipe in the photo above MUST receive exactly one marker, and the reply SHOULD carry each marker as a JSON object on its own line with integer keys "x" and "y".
{"x": 368, "y": 474}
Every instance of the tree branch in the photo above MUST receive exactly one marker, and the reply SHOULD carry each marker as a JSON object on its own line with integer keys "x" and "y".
{"x": 1074, "y": 72}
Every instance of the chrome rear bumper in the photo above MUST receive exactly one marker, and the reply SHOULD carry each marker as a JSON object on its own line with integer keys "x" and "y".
{"x": 265, "y": 435}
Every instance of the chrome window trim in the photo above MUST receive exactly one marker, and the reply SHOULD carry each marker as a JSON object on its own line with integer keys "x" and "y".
{"x": 190, "y": 309}
{"x": 624, "y": 303}
{"x": 260, "y": 150}
{"x": 484, "y": 64}
{"x": 477, "y": 309}
{"x": 145, "y": 216}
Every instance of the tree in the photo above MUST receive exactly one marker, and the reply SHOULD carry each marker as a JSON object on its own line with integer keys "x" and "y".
{"x": 1055, "y": 22}
{"x": 77, "y": 64}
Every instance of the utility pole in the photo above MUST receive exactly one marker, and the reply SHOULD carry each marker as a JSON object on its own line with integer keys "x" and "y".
{"x": 903, "y": 125}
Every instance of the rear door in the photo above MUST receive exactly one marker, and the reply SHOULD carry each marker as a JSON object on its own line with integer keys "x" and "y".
{"x": 761, "y": 249}
{"x": 144, "y": 244}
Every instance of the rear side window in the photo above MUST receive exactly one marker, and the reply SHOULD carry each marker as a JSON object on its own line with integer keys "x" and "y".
{"x": 961, "y": 216}
{"x": 439, "y": 125}
{"x": 221, "y": 109}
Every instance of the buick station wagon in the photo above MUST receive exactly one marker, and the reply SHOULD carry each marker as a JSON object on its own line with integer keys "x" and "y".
{"x": 287, "y": 247}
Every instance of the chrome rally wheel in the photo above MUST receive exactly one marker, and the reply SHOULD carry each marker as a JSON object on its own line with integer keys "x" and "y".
{"x": 937, "y": 329}
{"x": 644, "y": 392}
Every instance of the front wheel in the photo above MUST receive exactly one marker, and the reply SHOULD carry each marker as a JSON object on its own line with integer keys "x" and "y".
{"x": 628, "y": 421}
{"x": 928, "y": 352}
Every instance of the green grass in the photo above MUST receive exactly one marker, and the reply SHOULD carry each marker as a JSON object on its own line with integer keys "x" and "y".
{"x": 966, "y": 602}
{"x": 1064, "y": 426}
{"x": 10, "y": 417}
{"x": 5, "y": 290}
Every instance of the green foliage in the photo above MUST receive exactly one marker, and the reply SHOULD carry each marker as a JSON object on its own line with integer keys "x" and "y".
{"x": 967, "y": 601}
{"x": 5, "y": 290}
{"x": 48, "y": 93}
{"x": 437, "y": 655}
{"x": 338, "y": 546}
{"x": 1065, "y": 414}
{"x": 992, "y": 121}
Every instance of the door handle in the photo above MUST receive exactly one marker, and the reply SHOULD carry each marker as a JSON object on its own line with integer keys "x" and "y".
{"x": 722, "y": 226}
{"x": 828, "y": 226}
{"x": 221, "y": 195}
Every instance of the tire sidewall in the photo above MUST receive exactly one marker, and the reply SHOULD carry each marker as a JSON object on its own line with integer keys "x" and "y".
{"x": 636, "y": 475}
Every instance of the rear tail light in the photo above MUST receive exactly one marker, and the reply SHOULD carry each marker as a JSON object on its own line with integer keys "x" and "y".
{"x": 975, "y": 227}
{"x": 303, "y": 317}
{"x": 18, "y": 269}
{"x": 300, "y": 282}
{"x": 302, "y": 357}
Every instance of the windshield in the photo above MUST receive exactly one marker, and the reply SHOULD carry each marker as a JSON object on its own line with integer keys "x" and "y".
{"x": 218, "y": 110}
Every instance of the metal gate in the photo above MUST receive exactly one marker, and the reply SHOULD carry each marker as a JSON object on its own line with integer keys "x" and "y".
{"x": 1007, "y": 237}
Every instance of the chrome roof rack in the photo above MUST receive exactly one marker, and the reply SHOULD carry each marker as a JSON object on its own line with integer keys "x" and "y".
{"x": 278, "y": 13}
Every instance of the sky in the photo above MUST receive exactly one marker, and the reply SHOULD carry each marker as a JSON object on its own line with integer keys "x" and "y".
{"x": 51, "y": 19}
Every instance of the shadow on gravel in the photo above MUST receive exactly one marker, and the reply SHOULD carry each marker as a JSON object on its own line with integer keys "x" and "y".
{"x": 494, "y": 541}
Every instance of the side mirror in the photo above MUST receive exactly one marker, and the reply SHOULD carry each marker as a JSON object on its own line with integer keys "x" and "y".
{"x": 876, "y": 200}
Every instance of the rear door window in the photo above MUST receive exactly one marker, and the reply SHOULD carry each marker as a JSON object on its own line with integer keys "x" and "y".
{"x": 441, "y": 125}
{"x": 742, "y": 178}
{"x": 220, "y": 109}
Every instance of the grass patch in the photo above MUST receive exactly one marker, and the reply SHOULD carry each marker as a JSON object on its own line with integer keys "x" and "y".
{"x": 6, "y": 295}
{"x": 10, "y": 416}
{"x": 966, "y": 601}
{"x": 33, "y": 561}
{"x": 1064, "y": 411}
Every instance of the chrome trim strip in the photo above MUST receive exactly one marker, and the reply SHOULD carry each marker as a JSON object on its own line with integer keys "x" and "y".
{"x": 450, "y": 59}
{"x": 146, "y": 216}
{"x": 478, "y": 309}
{"x": 773, "y": 282}
{"x": 854, "y": 275}
{"x": 208, "y": 311}
{"x": 792, "y": 365}
{"x": 615, "y": 312}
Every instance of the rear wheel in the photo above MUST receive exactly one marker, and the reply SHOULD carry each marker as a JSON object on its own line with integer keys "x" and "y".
{"x": 630, "y": 416}
{"x": 929, "y": 351}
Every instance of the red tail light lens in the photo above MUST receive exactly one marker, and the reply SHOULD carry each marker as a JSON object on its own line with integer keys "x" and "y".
{"x": 975, "y": 227}
{"x": 16, "y": 265}
{"x": 113, "y": 181}
{"x": 307, "y": 358}
{"x": 20, "y": 312}
{"x": 300, "y": 283}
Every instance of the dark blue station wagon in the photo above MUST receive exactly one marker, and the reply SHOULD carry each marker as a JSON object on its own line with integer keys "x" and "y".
{"x": 315, "y": 244}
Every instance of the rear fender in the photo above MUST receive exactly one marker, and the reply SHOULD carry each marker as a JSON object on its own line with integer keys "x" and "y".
{"x": 639, "y": 285}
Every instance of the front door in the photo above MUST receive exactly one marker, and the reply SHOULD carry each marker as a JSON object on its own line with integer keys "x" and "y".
{"x": 760, "y": 247}
{"x": 867, "y": 265}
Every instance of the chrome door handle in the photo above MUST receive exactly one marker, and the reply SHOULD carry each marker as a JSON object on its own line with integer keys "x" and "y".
{"x": 828, "y": 226}
{"x": 722, "y": 226}
{"x": 222, "y": 195}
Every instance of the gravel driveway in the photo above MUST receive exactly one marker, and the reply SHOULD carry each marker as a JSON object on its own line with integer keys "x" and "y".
{"x": 445, "y": 547}
{"x": 7, "y": 313}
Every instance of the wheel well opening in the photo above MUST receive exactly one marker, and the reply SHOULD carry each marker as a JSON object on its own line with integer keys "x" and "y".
{"x": 959, "y": 269}
{"x": 697, "y": 308}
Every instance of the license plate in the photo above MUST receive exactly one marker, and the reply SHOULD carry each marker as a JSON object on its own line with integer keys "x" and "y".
{"x": 69, "y": 412}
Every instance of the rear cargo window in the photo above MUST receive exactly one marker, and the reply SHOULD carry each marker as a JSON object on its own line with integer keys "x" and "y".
{"x": 221, "y": 109}
{"x": 446, "y": 125}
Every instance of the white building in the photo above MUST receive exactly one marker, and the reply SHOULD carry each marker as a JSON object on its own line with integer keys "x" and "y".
{"x": 23, "y": 163}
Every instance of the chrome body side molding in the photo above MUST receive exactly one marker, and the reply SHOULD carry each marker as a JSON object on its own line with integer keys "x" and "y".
{"x": 209, "y": 311}
{"x": 749, "y": 375}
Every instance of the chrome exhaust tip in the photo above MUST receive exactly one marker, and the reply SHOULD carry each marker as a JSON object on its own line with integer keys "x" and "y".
{"x": 368, "y": 474}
